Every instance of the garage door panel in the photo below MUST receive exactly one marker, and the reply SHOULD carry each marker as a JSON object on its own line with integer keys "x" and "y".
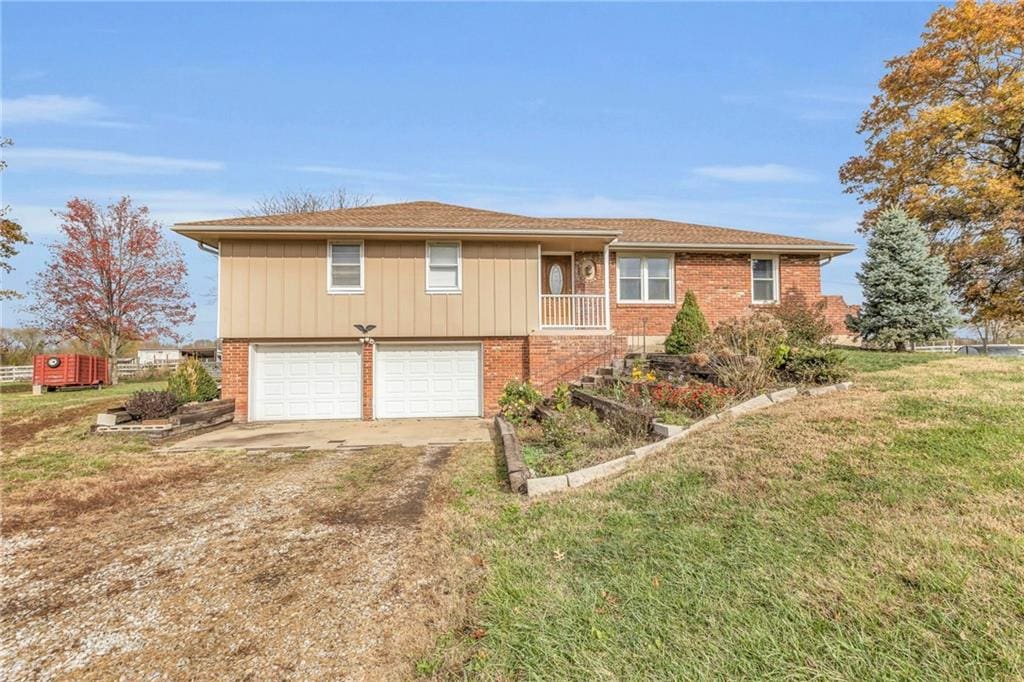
{"x": 427, "y": 380}
{"x": 306, "y": 382}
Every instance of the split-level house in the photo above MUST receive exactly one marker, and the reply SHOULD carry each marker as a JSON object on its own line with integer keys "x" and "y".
{"x": 426, "y": 309}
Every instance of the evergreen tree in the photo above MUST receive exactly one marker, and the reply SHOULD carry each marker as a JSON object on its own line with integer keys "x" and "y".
{"x": 688, "y": 328}
{"x": 906, "y": 298}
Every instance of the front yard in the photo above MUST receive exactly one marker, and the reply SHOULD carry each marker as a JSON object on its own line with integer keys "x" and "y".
{"x": 875, "y": 533}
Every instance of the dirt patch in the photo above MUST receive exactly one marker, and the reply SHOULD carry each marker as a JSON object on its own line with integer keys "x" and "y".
{"x": 321, "y": 565}
{"x": 21, "y": 432}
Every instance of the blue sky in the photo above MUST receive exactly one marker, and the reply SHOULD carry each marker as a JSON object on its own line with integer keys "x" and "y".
{"x": 733, "y": 114}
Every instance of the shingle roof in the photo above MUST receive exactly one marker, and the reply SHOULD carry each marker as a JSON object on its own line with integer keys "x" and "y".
{"x": 425, "y": 215}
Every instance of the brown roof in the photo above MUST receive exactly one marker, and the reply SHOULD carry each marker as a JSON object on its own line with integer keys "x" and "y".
{"x": 426, "y": 215}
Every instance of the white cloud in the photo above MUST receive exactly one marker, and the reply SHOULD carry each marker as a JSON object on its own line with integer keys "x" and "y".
{"x": 768, "y": 172}
{"x": 361, "y": 173}
{"x": 58, "y": 109}
{"x": 97, "y": 162}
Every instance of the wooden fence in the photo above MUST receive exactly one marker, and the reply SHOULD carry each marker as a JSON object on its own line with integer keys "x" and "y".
{"x": 125, "y": 368}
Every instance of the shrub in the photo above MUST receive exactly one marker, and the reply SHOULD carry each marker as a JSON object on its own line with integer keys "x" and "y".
{"x": 697, "y": 398}
{"x": 817, "y": 365}
{"x": 191, "y": 383}
{"x": 688, "y": 329}
{"x": 745, "y": 353}
{"x": 151, "y": 404}
{"x": 561, "y": 399}
{"x": 518, "y": 401}
{"x": 574, "y": 427}
{"x": 805, "y": 324}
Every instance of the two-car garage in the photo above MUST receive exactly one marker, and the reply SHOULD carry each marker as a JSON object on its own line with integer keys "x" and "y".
{"x": 325, "y": 381}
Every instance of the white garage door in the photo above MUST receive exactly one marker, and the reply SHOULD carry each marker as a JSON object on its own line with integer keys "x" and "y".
{"x": 429, "y": 380}
{"x": 306, "y": 382}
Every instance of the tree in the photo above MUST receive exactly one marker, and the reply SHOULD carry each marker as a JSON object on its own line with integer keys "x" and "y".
{"x": 11, "y": 234}
{"x": 20, "y": 344}
{"x": 688, "y": 329}
{"x": 945, "y": 140}
{"x": 309, "y": 202}
{"x": 906, "y": 298}
{"x": 113, "y": 279}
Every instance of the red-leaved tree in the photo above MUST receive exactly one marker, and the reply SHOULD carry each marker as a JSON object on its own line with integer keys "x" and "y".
{"x": 113, "y": 279}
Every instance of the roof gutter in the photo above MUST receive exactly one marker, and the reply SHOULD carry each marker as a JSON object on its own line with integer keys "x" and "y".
{"x": 744, "y": 248}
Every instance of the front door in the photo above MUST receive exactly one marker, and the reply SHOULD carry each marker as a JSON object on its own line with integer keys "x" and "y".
{"x": 556, "y": 276}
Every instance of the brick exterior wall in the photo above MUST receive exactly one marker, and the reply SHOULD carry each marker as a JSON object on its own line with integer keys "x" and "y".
{"x": 234, "y": 375}
{"x": 367, "y": 381}
{"x": 721, "y": 283}
{"x": 557, "y": 359}
{"x": 505, "y": 358}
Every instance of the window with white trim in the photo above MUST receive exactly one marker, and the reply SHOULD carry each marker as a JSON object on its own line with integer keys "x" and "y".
{"x": 645, "y": 279}
{"x": 345, "y": 267}
{"x": 764, "y": 273}
{"x": 444, "y": 266}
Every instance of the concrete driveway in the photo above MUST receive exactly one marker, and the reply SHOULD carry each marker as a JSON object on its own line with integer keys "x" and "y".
{"x": 334, "y": 435}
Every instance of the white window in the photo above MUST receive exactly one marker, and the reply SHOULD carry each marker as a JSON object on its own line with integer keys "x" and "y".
{"x": 345, "y": 267}
{"x": 444, "y": 267}
{"x": 645, "y": 279}
{"x": 764, "y": 273}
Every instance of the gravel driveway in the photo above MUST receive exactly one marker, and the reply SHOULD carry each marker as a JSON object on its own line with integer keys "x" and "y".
{"x": 297, "y": 566}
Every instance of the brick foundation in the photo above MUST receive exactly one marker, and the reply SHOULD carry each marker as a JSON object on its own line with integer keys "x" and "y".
{"x": 566, "y": 358}
{"x": 544, "y": 360}
{"x": 504, "y": 358}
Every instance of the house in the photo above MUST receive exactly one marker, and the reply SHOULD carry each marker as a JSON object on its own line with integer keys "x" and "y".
{"x": 456, "y": 301}
{"x": 152, "y": 355}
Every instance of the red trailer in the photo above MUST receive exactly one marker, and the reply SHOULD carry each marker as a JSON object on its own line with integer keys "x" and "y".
{"x": 66, "y": 370}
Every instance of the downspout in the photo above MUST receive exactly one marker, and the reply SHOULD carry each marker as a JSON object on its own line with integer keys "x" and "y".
{"x": 607, "y": 293}
{"x": 203, "y": 246}
{"x": 214, "y": 250}
{"x": 823, "y": 263}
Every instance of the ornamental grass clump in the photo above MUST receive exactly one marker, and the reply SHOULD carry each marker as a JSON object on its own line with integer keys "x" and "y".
{"x": 745, "y": 354}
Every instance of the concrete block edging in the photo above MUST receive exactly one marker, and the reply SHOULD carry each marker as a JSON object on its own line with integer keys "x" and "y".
{"x": 576, "y": 479}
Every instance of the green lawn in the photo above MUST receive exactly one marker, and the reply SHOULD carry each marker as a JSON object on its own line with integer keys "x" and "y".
{"x": 875, "y": 534}
{"x": 18, "y": 405}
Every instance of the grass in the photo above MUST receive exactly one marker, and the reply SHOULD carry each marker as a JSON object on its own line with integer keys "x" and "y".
{"x": 878, "y": 533}
{"x": 24, "y": 404}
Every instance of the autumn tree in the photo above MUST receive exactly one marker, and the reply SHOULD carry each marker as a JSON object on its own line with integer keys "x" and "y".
{"x": 945, "y": 140}
{"x": 11, "y": 234}
{"x": 308, "y": 202}
{"x": 112, "y": 280}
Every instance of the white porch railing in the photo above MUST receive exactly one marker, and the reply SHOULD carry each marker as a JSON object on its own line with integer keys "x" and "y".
{"x": 572, "y": 311}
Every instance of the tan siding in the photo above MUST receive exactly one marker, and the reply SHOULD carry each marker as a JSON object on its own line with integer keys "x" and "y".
{"x": 278, "y": 288}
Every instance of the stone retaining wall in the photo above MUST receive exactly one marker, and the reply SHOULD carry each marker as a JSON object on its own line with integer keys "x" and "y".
{"x": 576, "y": 479}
